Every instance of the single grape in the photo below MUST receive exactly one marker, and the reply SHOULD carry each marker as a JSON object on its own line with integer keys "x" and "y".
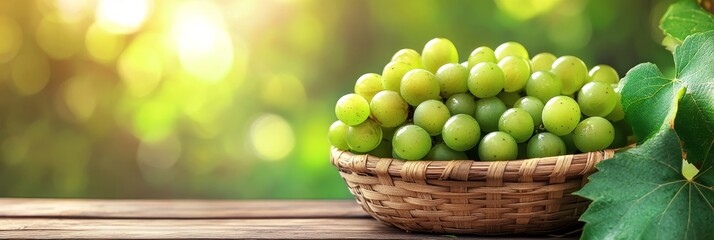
{"x": 603, "y": 73}
{"x": 461, "y": 103}
{"x": 419, "y": 85}
{"x": 593, "y": 133}
{"x": 393, "y": 73}
{"x": 533, "y": 106}
{"x": 337, "y": 135}
{"x": 511, "y": 49}
{"x": 545, "y": 144}
{"x": 461, "y": 132}
{"x": 488, "y": 111}
{"x": 542, "y": 61}
{"x": 481, "y": 54}
{"x": 597, "y": 99}
{"x": 516, "y": 72}
{"x": 617, "y": 113}
{"x": 364, "y": 137}
{"x": 453, "y": 78}
{"x": 411, "y": 142}
{"x": 486, "y": 80}
{"x": 383, "y": 150}
{"x": 368, "y": 85}
{"x": 352, "y": 109}
{"x": 572, "y": 73}
{"x": 389, "y": 109}
{"x": 437, "y": 52}
{"x": 431, "y": 116}
{"x": 509, "y": 98}
{"x": 543, "y": 85}
{"x": 517, "y": 123}
{"x": 497, "y": 146}
{"x": 561, "y": 115}
{"x": 442, "y": 152}
{"x": 408, "y": 56}
{"x": 569, "y": 143}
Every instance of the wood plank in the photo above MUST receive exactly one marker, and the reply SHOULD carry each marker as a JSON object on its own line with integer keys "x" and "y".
{"x": 330, "y": 228}
{"x": 180, "y": 209}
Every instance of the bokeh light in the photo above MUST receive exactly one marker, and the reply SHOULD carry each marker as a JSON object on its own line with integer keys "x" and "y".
{"x": 272, "y": 137}
{"x": 140, "y": 65}
{"x": 60, "y": 40}
{"x": 122, "y": 16}
{"x": 11, "y": 39}
{"x": 102, "y": 45}
{"x": 30, "y": 71}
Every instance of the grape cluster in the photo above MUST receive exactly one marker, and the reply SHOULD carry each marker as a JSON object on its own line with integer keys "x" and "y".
{"x": 498, "y": 105}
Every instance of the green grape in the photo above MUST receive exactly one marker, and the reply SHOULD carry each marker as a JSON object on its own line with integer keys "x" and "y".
{"x": 383, "y": 150}
{"x": 543, "y": 85}
{"x": 572, "y": 73}
{"x": 337, "y": 135}
{"x": 352, "y": 109}
{"x": 497, "y": 146}
{"x": 486, "y": 80}
{"x": 593, "y": 133}
{"x": 518, "y": 123}
{"x": 389, "y": 109}
{"x": 408, "y": 56}
{"x": 388, "y": 132}
{"x": 516, "y": 72}
{"x": 511, "y": 49}
{"x": 533, "y": 106}
{"x": 569, "y": 143}
{"x": 437, "y": 52}
{"x": 509, "y": 98}
{"x": 364, "y": 137}
{"x": 411, "y": 142}
{"x": 453, "y": 78}
{"x": 545, "y": 144}
{"x": 368, "y": 85}
{"x": 461, "y": 132}
{"x": 481, "y": 54}
{"x": 620, "y": 139}
{"x": 603, "y": 73}
{"x": 461, "y": 103}
{"x": 442, "y": 152}
{"x": 597, "y": 99}
{"x": 542, "y": 61}
{"x": 617, "y": 113}
{"x": 419, "y": 85}
{"x": 393, "y": 73}
{"x": 488, "y": 111}
{"x": 431, "y": 116}
{"x": 561, "y": 115}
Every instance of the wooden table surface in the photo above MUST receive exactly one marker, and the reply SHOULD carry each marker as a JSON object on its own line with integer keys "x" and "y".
{"x": 190, "y": 219}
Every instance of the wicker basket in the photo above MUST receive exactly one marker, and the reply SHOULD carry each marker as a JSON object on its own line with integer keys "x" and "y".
{"x": 531, "y": 196}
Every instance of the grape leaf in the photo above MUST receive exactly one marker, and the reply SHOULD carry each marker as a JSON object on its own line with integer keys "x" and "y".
{"x": 648, "y": 97}
{"x": 685, "y": 18}
{"x": 642, "y": 194}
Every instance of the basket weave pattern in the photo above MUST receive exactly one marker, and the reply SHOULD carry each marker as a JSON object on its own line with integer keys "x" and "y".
{"x": 470, "y": 197}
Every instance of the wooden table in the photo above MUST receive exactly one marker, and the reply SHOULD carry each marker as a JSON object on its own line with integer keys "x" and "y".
{"x": 188, "y": 219}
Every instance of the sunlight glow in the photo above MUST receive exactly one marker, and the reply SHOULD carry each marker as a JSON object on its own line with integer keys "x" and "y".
{"x": 204, "y": 47}
{"x": 272, "y": 137}
{"x": 122, "y": 16}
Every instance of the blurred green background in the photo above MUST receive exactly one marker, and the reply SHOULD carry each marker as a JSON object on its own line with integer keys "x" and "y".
{"x": 233, "y": 99}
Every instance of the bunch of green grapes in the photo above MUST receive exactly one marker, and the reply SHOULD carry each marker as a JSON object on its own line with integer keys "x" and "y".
{"x": 497, "y": 105}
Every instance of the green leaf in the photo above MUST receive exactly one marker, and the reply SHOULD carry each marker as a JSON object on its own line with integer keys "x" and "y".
{"x": 641, "y": 194}
{"x": 685, "y": 18}
{"x": 649, "y": 98}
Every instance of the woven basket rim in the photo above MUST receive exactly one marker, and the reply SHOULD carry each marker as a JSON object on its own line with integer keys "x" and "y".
{"x": 564, "y": 166}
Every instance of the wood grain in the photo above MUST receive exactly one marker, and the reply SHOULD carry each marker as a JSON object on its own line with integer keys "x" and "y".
{"x": 180, "y": 209}
{"x": 197, "y": 219}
